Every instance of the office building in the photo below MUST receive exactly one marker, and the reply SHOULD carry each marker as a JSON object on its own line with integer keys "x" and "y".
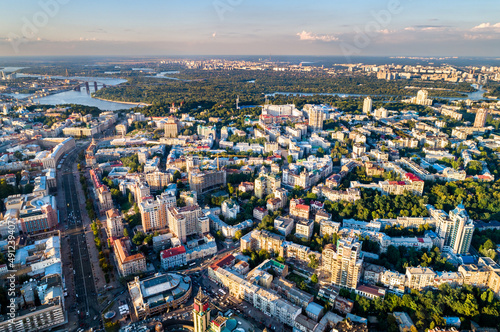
{"x": 159, "y": 293}
{"x": 205, "y": 181}
{"x": 187, "y": 221}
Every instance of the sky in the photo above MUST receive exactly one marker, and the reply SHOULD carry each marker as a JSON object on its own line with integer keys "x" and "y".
{"x": 250, "y": 27}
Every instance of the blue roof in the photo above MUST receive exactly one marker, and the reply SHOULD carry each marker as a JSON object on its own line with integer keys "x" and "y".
{"x": 314, "y": 308}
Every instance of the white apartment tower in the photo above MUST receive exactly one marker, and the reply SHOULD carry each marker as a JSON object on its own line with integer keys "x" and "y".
{"x": 456, "y": 231}
{"x": 367, "y": 105}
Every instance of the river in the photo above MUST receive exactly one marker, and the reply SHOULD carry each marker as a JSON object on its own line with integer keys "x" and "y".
{"x": 83, "y": 97}
{"x": 476, "y": 95}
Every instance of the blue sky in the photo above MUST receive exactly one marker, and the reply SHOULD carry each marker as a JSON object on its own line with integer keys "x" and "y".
{"x": 173, "y": 27}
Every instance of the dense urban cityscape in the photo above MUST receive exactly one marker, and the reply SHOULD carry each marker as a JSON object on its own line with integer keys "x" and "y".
{"x": 249, "y": 193}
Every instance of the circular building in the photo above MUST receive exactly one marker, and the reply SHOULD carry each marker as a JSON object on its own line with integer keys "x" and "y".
{"x": 109, "y": 315}
{"x": 153, "y": 295}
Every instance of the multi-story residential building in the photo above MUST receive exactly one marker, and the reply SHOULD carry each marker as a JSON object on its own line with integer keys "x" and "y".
{"x": 372, "y": 273}
{"x": 328, "y": 227}
{"x": 262, "y": 239}
{"x": 154, "y": 211}
{"x": 289, "y": 290}
{"x": 419, "y": 277}
{"x": 316, "y": 117}
{"x": 358, "y": 149}
{"x": 348, "y": 195}
{"x": 246, "y": 187}
{"x": 172, "y": 127}
{"x": 187, "y": 221}
{"x": 47, "y": 316}
{"x": 266, "y": 184}
{"x": 203, "y": 249}
{"x": 393, "y": 279}
{"x": 105, "y": 199}
{"x": 282, "y": 195}
{"x": 304, "y": 228}
{"x": 328, "y": 294}
{"x": 157, "y": 180}
{"x": 205, "y": 181}
{"x": 141, "y": 191}
{"x": 173, "y": 257}
{"x": 373, "y": 169}
{"x": 456, "y": 231}
{"x": 273, "y": 204}
{"x": 299, "y": 209}
{"x": 486, "y": 273}
{"x": 296, "y": 251}
{"x": 367, "y": 105}
{"x": 190, "y": 197}
{"x": 284, "y": 225}
{"x": 259, "y": 213}
{"x": 230, "y": 209}
{"x": 344, "y": 264}
{"x": 128, "y": 264}
{"x": 481, "y": 116}
{"x": 114, "y": 225}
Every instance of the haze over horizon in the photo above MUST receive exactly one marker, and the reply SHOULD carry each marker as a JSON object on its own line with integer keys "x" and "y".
{"x": 239, "y": 27}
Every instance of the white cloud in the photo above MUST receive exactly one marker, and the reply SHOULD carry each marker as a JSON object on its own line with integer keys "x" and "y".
{"x": 487, "y": 26}
{"x": 304, "y": 35}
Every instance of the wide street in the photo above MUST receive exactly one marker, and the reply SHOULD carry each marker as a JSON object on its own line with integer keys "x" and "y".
{"x": 82, "y": 298}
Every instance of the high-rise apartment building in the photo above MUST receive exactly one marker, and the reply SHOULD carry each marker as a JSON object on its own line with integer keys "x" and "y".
{"x": 367, "y": 105}
{"x": 154, "y": 211}
{"x": 481, "y": 116}
{"x": 456, "y": 231}
{"x": 316, "y": 118}
{"x": 344, "y": 263}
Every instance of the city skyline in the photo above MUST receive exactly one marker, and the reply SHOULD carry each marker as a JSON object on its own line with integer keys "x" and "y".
{"x": 237, "y": 27}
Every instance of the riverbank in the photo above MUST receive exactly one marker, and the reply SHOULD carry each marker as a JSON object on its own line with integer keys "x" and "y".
{"x": 122, "y": 102}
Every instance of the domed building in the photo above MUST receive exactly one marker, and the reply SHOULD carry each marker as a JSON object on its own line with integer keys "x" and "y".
{"x": 156, "y": 294}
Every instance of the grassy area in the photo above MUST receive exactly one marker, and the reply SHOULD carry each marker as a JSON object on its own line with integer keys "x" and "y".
{"x": 296, "y": 278}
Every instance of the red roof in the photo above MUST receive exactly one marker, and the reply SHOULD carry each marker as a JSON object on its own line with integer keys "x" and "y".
{"x": 173, "y": 252}
{"x": 412, "y": 177}
{"x": 302, "y": 207}
{"x": 224, "y": 261}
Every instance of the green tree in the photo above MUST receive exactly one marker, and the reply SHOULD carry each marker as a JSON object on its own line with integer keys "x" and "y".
{"x": 314, "y": 279}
